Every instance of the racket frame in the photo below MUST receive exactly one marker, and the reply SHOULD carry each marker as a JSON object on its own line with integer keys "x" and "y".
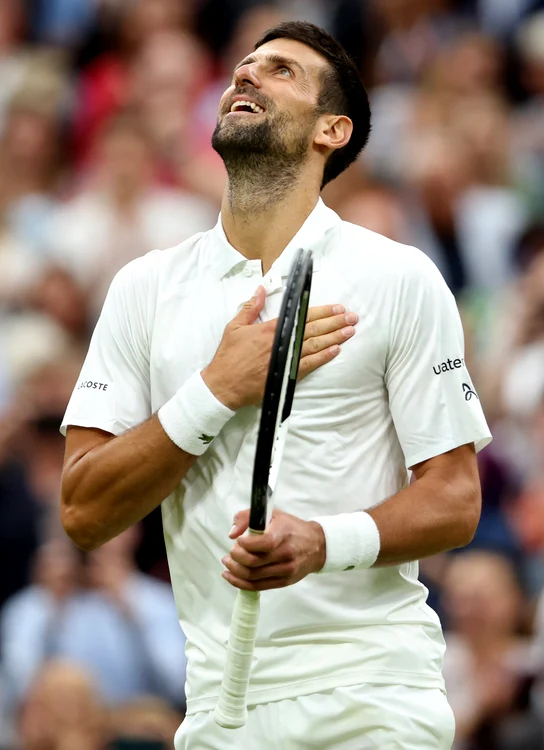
{"x": 272, "y": 429}
{"x": 231, "y": 710}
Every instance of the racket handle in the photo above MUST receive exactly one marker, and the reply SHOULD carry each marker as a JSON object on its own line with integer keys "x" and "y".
{"x": 231, "y": 710}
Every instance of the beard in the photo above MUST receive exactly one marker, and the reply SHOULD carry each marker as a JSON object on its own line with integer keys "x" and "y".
{"x": 263, "y": 158}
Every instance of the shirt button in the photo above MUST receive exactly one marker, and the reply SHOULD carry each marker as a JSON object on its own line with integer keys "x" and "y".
{"x": 247, "y": 271}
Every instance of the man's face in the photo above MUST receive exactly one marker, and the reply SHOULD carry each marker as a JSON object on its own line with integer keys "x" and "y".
{"x": 270, "y": 107}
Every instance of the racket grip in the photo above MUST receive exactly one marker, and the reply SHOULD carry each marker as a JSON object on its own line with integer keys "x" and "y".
{"x": 231, "y": 710}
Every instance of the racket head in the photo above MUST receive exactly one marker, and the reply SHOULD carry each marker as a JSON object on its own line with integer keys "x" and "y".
{"x": 281, "y": 381}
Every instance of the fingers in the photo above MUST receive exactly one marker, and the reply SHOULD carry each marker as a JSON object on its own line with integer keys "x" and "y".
{"x": 251, "y": 309}
{"x": 257, "y": 559}
{"x": 323, "y": 339}
{"x": 328, "y": 324}
{"x": 312, "y": 361}
{"x": 319, "y": 343}
{"x": 279, "y": 570}
{"x": 323, "y": 311}
{"x": 254, "y": 573}
{"x": 258, "y": 543}
{"x": 240, "y": 524}
{"x": 264, "y": 585}
{"x": 269, "y": 560}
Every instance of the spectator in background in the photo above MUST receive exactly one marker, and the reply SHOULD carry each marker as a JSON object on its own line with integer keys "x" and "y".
{"x": 472, "y": 63}
{"x": 528, "y": 121}
{"x": 103, "y": 86}
{"x": 30, "y": 154}
{"x": 440, "y": 169}
{"x": 31, "y": 453}
{"x": 490, "y": 212}
{"x": 148, "y": 720}
{"x": 121, "y": 213}
{"x": 527, "y": 513}
{"x": 31, "y": 167}
{"x": 61, "y": 22}
{"x": 413, "y": 33}
{"x": 448, "y": 145}
{"x": 500, "y": 17}
{"x": 18, "y": 507}
{"x": 18, "y": 266}
{"x": 487, "y": 664}
{"x": 62, "y": 711}
{"x": 105, "y": 616}
{"x": 12, "y": 53}
{"x": 523, "y": 383}
{"x": 376, "y": 208}
{"x": 56, "y": 295}
{"x": 169, "y": 73}
{"x": 537, "y": 691}
{"x": 512, "y": 362}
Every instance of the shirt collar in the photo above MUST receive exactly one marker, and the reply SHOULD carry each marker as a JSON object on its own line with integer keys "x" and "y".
{"x": 224, "y": 257}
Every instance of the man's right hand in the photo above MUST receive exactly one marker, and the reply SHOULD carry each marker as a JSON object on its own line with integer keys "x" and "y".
{"x": 237, "y": 374}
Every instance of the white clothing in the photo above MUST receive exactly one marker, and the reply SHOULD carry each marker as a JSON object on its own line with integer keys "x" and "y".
{"x": 364, "y": 717}
{"x": 398, "y": 393}
{"x": 92, "y": 240}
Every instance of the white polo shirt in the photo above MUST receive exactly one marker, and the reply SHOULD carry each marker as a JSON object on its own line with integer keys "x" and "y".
{"x": 398, "y": 393}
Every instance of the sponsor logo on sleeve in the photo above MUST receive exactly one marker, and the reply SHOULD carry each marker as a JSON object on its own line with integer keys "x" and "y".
{"x": 206, "y": 439}
{"x": 469, "y": 392}
{"x": 449, "y": 364}
{"x": 94, "y": 385}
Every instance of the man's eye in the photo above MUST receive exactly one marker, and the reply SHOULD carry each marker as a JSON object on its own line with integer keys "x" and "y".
{"x": 283, "y": 70}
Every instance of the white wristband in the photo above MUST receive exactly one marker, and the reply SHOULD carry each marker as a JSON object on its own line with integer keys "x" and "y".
{"x": 193, "y": 416}
{"x": 352, "y": 541}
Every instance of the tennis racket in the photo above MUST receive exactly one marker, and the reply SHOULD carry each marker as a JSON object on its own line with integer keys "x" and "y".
{"x": 231, "y": 710}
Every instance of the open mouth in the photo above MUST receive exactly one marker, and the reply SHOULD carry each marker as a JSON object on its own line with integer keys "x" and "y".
{"x": 245, "y": 106}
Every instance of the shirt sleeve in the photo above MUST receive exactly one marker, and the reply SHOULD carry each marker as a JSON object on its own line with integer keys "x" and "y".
{"x": 433, "y": 402}
{"x": 113, "y": 390}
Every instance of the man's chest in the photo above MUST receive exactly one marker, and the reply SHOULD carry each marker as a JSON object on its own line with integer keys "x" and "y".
{"x": 190, "y": 323}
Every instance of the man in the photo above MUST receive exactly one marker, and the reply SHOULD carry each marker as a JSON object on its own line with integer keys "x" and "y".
{"x": 167, "y": 410}
{"x": 106, "y": 616}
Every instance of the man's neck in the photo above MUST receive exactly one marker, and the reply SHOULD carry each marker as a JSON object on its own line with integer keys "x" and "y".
{"x": 262, "y": 229}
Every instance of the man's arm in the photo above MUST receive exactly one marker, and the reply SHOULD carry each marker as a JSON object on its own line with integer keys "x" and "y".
{"x": 110, "y": 483}
{"x": 438, "y": 512}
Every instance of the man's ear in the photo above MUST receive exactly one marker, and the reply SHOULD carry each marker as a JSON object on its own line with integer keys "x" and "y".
{"x": 334, "y": 132}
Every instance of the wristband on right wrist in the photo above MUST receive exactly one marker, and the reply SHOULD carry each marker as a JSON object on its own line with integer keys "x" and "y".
{"x": 193, "y": 417}
{"x": 352, "y": 541}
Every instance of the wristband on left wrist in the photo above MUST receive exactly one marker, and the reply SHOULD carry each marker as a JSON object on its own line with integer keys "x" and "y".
{"x": 352, "y": 540}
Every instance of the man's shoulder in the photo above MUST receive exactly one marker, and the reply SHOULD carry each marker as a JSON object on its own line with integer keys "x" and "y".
{"x": 188, "y": 251}
{"x": 369, "y": 251}
{"x": 172, "y": 265}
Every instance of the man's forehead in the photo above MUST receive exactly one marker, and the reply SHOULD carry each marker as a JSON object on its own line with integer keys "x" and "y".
{"x": 310, "y": 60}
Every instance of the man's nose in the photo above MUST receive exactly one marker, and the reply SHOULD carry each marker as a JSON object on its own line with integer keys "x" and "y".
{"x": 247, "y": 74}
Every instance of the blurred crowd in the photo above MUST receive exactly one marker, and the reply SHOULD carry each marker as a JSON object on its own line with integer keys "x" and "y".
{"x": 106, "y": 113}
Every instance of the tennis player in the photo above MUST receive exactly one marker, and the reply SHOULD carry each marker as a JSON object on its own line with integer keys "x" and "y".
{"x": 348, "y": 654}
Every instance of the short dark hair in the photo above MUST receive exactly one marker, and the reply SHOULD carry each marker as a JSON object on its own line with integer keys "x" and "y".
{"x": 342, "y": 90}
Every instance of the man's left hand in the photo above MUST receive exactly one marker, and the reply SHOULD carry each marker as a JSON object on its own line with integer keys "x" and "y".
{"x": 287, "y": 551}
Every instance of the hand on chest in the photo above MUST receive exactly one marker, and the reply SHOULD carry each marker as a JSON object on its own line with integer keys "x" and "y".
{"x": 191, "y": 326}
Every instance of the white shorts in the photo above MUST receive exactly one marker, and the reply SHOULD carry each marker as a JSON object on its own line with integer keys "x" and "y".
{"x": 364, "y": 717}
